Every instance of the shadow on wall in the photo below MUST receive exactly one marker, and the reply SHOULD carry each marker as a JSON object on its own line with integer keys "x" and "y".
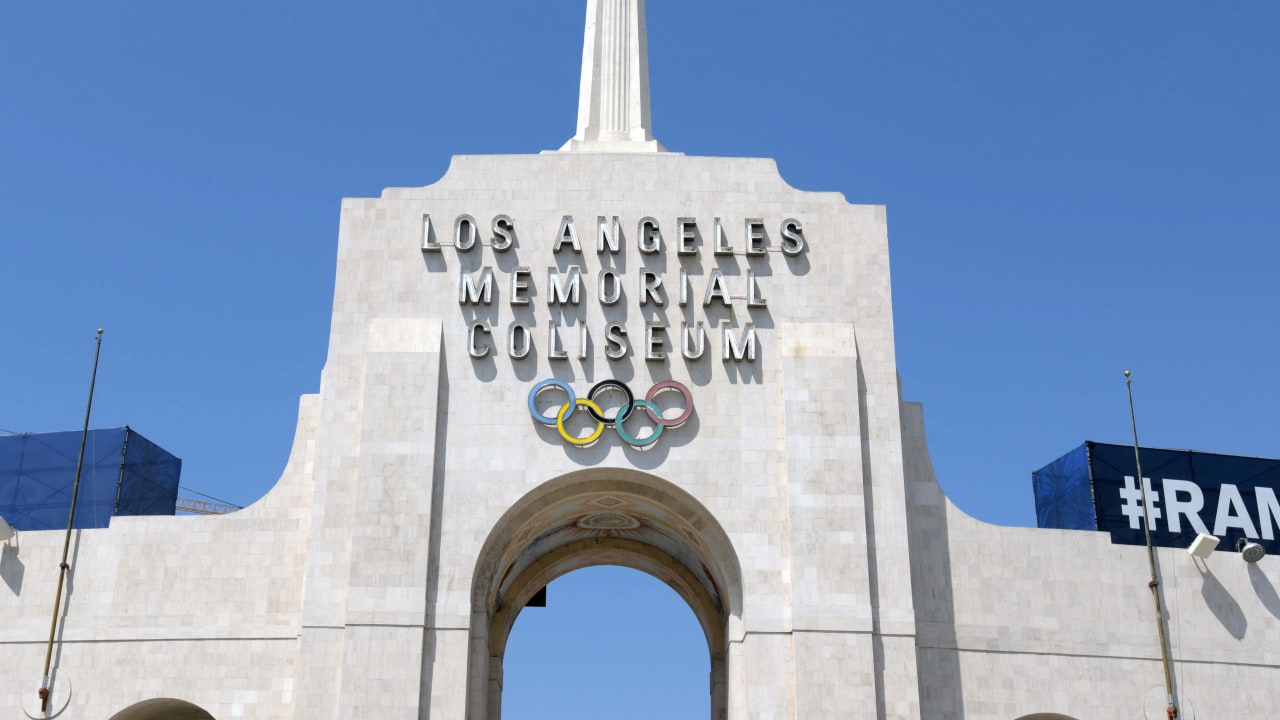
{"x": 11, "y": 568}
{"x": 937, "y": 654}
{"x": 1222, "y": 605}
{"x": 873, "y": 568}
{"x": 431, "y": 637}
{"x": 1265, "y": 590}
{"x": 1046, "y": 716}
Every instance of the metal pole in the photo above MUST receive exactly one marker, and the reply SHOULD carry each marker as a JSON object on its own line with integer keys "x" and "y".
{"x": 66, "y": 545}
{"x": 1151, "y": 555}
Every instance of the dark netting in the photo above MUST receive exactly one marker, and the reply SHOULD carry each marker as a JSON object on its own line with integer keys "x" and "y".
{"x": 1064, "y": 496}
{"x": 149, "y": 478}
{"x": 37, "y": 473}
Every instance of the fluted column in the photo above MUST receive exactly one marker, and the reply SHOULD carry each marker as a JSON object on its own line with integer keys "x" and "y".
{"x": 613, "y": 99}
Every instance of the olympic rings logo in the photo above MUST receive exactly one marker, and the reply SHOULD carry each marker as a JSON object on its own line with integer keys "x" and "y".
{"x": 624, "y": 412}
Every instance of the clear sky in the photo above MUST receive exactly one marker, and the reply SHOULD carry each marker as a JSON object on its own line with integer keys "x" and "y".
{"x": 1073, "y": 189}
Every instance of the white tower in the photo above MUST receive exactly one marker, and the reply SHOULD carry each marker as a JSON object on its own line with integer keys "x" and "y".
{"x": 613, "y": 102}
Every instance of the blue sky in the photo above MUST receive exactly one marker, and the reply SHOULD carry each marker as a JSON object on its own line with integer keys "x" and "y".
{"x": 1073, "y": 189}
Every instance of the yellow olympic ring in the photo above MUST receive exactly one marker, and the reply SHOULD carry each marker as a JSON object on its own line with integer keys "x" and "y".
{"x": 565, "y": 410}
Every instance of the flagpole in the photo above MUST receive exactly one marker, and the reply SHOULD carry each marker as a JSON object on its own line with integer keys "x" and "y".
{"x": 66, "y": 544}
{"x": 1151, "y": 555}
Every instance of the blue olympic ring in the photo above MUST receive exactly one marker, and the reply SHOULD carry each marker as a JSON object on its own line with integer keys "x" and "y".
{"x": 623, "y": 413}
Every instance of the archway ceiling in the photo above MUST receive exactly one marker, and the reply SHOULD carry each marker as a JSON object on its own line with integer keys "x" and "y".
{"x": 606, "y": 515}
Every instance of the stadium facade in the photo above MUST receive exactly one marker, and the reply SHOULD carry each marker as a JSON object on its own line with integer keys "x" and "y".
{"x": 614, "y": 354}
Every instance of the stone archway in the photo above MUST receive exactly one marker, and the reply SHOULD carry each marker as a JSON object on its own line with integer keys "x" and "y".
{"x": 603, "y": 517}
{"x": 162, "y": 709}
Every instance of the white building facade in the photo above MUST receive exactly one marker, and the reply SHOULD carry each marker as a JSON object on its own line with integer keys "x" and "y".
{"x": 450, "y": 466}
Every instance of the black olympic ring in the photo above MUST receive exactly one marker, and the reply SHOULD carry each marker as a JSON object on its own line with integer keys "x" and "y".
{"x": 624, "y": 410}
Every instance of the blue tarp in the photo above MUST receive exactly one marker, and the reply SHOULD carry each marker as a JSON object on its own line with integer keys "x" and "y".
{"x": 1064, "y": 494}
{"x": 124, "y": 474}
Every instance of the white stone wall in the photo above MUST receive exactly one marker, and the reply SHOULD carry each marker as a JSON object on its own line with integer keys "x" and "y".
{"x": 1013, "y": 621}
{"x": 858, "y": 589}
{"x": 774, "y": 442}
{"x": 203, "y": 609}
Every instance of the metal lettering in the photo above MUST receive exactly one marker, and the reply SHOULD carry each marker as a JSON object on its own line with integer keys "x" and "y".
{"x": 655, "y": 341}
{"x": 569, "y": 291}
{"x": 465, "y": 233}
{"x": 609, "y": 286}
{"x": 722, "y": 246}
{"x": 754, "y": 299}
{"x": 686, "y": 236}
{"x": 519, "y": 341}
{"x": 755, "y": 236}
{"x": 695, "y": 350}
{"x": 650, "y": 284}
{"x": 469, "y": 293}
{"x": 555, "y": 351}
{"x": 520, "y": 285}
{"x": 792, "y": 237}
{"x": 735, "y": 350}
{"x": 608, "y": 233}
{"x": 615, "y": 337}
{"x": 650, "y": 237}
{"x": 567, "y": 232}
{"x": 504, "y": 233}
{"x": 429, "y": 242}
{"x": 716, "y": 289}
{"x": 476, "y": 349}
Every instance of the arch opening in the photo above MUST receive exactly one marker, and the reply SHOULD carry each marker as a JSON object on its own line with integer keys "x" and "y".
{"x": 611, "y": 641}
{"x": 163, "y": 709}
{"x": 602, "y": 517}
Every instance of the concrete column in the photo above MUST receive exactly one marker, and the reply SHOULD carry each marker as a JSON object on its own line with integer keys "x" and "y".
{"x": 831, "y": 583}
{"x": 495, "y": 688}
{"x": 719, "y": 689}
{"x": 444, "y": 674}
{"x": 770, "y": 676}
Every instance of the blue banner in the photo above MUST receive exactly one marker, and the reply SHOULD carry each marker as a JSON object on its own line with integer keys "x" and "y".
{"x": 1188, "y": 492}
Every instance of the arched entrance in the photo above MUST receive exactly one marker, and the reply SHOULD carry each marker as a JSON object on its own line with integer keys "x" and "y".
{"x": 611, "y": 642}
{"x": 162, "y": 709}
{"x": 602, "y": 517}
